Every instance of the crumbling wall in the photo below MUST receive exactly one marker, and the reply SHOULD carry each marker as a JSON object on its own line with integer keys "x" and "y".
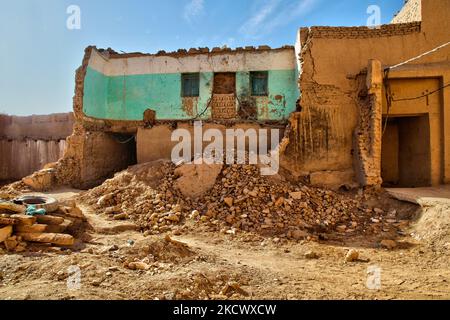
{"x": 28, "y": 143}
{"x": 336, "y": 137}
{"x": 93, "y": 156}
{"x": 121, "y": 87}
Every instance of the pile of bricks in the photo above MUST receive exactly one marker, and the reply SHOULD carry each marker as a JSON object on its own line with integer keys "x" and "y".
{"x": 18, "y": 229}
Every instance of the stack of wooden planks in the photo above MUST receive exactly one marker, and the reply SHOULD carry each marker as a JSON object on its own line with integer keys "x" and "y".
{"x": 17, "y": 229}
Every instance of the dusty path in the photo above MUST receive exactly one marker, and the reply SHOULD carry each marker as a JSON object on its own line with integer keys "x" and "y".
{"x": 264, "y": 268}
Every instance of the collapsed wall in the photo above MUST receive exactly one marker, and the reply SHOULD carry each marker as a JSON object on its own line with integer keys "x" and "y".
{"x": 28, "y": 143}
{"x": 336, "y": 138}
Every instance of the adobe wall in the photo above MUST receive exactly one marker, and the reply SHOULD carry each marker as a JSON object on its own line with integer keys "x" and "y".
{"x": 93, "y": 156}
{"x": 155, "y": 143}
{"x": 28, "y": 143}
{"x": 120, "y": 87}
{"x": 331, "y": 136}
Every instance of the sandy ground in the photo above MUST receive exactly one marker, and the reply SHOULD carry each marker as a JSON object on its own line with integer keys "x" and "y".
{"x": 221, "y": 266}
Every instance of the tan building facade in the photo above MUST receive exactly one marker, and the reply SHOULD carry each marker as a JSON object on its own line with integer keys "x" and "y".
{"x": 347, "y": 132}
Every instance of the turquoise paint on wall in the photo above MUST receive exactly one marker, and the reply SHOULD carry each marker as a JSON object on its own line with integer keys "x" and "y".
{"x": 127, "y": 97}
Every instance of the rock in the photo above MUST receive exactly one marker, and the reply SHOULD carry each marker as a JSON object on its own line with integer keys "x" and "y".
{"x": 41, "y": 180}
{"x": 279, "y": 202}
{"x": 11, "y": 243}
{"x": 5, "y": 233}
{"x": 105, "y": 200}
{"x": 298, "y": 234}
{"x": 311, "y": 255}
{"x": 229, "y": 201}
{"x": 121, "y": 216}
{"x": 352, "y": 255}
{"x": 138, "y": 266}
{"x": 114, "y": 247}
{"x": 231, "y": 288}
{"x": 388, "y": 244}
{"x": 253, "y": 194}
{"x": 196, "y": 180}
{"x": 173, "y": 217}
{"x": 296, "y": 195}
{"x": 378, "y": 211}
{"x": 194, "y": 214}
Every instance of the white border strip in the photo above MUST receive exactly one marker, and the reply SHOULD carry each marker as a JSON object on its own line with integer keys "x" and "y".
{"x": 226, "y": 62}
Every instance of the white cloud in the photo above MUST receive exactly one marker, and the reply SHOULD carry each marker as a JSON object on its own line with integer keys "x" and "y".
{"x": 275, "y": 13}
{"x": 253, "y": 25}
{"x": 193, "y": 9}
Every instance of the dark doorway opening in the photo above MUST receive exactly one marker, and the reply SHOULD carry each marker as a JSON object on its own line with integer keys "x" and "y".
{"x": 406, "y": 153}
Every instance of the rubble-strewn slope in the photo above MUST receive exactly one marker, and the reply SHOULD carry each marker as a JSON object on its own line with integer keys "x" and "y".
{"x": 240, "y": 199}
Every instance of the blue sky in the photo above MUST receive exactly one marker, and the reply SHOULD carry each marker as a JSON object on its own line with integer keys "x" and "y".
{"x": 39, "y": 55}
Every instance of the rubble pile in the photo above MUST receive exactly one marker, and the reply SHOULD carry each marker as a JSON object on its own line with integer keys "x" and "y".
{"x": 240, "y": 199}
{"x": 143, "y": 193}
{"x": 18, "y": 227}
{"x": 270, "y": 205}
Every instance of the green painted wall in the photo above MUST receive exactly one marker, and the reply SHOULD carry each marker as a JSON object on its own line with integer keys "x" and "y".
{"x": 127, "y": 97}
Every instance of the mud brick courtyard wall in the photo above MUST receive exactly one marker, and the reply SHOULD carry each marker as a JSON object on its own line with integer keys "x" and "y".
{"x": 28, "y": 143}
{"x": 336, "y": 138}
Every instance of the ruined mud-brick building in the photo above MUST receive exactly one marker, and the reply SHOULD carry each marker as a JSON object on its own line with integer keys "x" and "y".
{"x": 361, "y": 119}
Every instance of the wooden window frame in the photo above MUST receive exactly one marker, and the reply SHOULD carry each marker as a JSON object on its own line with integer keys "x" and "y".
{"x": 259, "y": 75}
{"x": 190, "y": 76}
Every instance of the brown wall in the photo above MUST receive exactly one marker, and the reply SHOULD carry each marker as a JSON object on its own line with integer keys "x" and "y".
{"x": 28, "y": 143}
{"x": 155, "y": 143}
{"x": 43, "y": 127}
{"x": 334, "y": 91}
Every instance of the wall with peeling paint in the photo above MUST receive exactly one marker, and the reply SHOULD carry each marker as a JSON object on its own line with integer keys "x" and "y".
{"x": 123, "y": 88}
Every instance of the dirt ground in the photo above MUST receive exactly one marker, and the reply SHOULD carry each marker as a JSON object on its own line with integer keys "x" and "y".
{"x": 196, "y": 263}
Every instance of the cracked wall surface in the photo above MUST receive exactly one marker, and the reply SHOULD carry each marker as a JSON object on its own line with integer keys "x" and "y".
{"x": 336, "y": 137}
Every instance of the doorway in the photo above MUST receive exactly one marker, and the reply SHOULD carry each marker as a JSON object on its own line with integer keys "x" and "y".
{"x": 406, "y": 152}
{"x": 224, "y": 96}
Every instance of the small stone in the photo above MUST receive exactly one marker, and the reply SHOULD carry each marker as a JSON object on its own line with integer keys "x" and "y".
{"x": 138, "y": 266}
{"x": 298, "y": 234}
{"x": 378, "y": 211}
{"x": 311, "y": 255}
{"x": 296, "y": 195}
{"x": 254, "y": 194}
{"x": 194, "y": 214}
{"x": 279, "y": 202}
{"x": 388, "y": 244}
{"x": 114, "y": 247}
{"x": 352, "y": 255}
{"x": 229, "y": 201}
{"x": 121, "y": 216}
{"x": 173, "y": 217}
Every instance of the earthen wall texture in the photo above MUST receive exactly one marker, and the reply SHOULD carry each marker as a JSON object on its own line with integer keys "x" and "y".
{"x": 334, "y": 94}
{"x": 29, "y": 143}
